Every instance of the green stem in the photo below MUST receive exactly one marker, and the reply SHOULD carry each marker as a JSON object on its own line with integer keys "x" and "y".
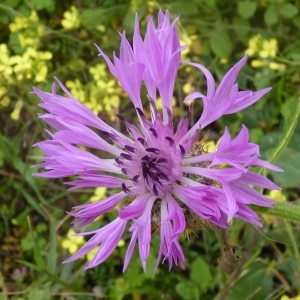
{"x": 290, "y": 232}
{"x": 292, "y": 238}
{"x": 282, "y": 210}
{"x": 288, "y": 131}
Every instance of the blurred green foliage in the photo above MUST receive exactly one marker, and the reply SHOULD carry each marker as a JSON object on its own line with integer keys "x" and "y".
{"x": 42, "y": 39}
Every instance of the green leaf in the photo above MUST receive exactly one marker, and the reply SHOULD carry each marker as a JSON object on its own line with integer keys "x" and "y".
{"x": 52, "y": 254}
{"x": 137, "y": 6}
{"x": 3, "y": 288}
{"x": 30, "y": 200}
{"x": 180, "y": 7}
{"x": 296, "y": 22}
{"x": 288, "y": 10}
{"x": 90, "y": 15}
{"x": 256, "y": 134}
{"x": 37, "y": 293}
{"x": 37, "y": 254}
{"x": 254, "y": 284}
{"x": 4, "y": 18}
{"x": 119, "y": 290}
{"x": 246, "y": 9}
{"x": 26, "y": 242}
{"x": 285, "y": 108}
{"x": 151, "y": 262}
{"x": 29, "y": 265}
{"x": 134, "y": 276}
{"x": 288, "y": 130}
{"x": 289, "y": 161}
{"x": 66, "y": 271}
{"x": 271, "y": 17}
{"x": 200, "y": 273}
{"x": 220, "y": 43}
{"x": 187, "y": 290}
{"x": 45, "y": 4}
{"x": 210, "y": 3}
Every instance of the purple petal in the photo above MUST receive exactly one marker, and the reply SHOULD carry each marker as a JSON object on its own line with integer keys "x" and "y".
{"x": 95, "y": 180}
{"x": 135, "y": 209}
{"x": 107, "y": 236}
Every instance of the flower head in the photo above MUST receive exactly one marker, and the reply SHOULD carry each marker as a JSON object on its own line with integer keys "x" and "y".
{"x": 165, "y": 181}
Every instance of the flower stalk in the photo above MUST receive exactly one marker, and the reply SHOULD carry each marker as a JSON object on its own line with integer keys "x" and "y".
{"x": 281, "y": 210}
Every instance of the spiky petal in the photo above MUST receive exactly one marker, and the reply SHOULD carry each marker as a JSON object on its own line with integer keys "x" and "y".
{"x": 165, "y": 179}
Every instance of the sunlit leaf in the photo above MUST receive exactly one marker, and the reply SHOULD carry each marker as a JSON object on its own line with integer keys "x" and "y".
{"x": 247, "y": 8}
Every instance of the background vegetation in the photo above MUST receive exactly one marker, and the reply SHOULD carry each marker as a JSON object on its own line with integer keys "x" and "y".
{"x": 42, "y": 39}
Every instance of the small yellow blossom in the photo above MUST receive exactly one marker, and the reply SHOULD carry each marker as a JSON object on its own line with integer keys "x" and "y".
{"x": 29, "y": 30}
{"x": 72, "y": 243}
{"x": 277, "y": 196}
{"x": 210, "y": 146}
{"x": 224, "y": 60}
{"x": 254, "y": 45}
{"x": 265, "y": 50}
{"x": 256, "y": 63}
{"x": 4, "y": 99}
{"x": 76, "y": 89}
{"x": 19, "y": 23}
{"x": 187, "y": 40}
{"x": 276, "y": 66}
{"x": 101, "y": 28}
{"x": 269, "y": 48}
{"x": 288, "y": 298}
{"x": 33, "y": 16}
{"x": 159, "y": 103}
{"x": 71, "y": 19}
{"x": 97, "y": 71}
{"x": 121, "y": 243}
{"x": 92, "y": 253}
{"x": 104, "y": 93}
{"x": 32, "y": 65}
{"x": 99, "y": 194}
{"x": 22, "y": 22}
{"x": 187, "y": 88}
{"x": 6, "y": 62}
{"x": 15, "y": 115}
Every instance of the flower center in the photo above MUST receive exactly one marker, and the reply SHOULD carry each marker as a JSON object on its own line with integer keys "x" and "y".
{"x": 153, "y": 157}
{"x": 150, "y": 167}
{"x": 155, "y": 171}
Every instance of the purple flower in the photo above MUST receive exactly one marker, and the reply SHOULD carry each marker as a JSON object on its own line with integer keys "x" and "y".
{"x": 165, "y": 174}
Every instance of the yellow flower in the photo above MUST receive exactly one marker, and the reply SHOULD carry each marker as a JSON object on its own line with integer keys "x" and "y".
{"x": 285, "y": 297}
{"x": 76, "y": 89}
{"x": 185, "y": 39}
{"x": 256, "y": 63}
{"x": 265, "y": 49}
{"x": 99, "y": 194}
{"x": 121, "y": 243}
{"x": 4, "y": 99}
{"x": 6, "y": 62}
{"x": 15, "y": 115}
{"x": 277, "y": 196}
{"x": 92, "y": 253}
{"x": 277, "y": 67}
{"x": 98, "y": 71}
{"x": 31, "y": 64}
{"x": 21, "y": 22}
{"x": 268, "y": 49}
{"x": 71, "y": 19}
{"x": 254, "y": 45}
{"x": 72, "y": 243}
